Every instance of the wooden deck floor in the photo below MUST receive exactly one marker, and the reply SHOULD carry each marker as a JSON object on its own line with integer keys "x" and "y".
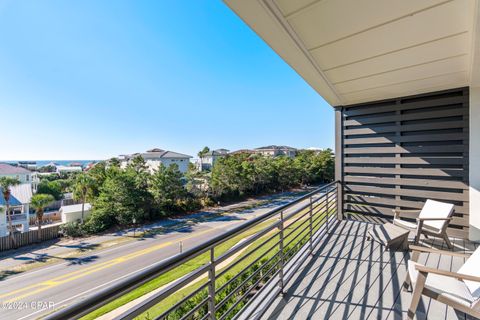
{"x": 350, "y": 277}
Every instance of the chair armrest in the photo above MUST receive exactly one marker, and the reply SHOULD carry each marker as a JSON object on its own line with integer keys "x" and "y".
{"x": 434, "y": 219}
{"x": 398, "y": 212}
{"x": 441, "y": 252}
{"x": 456, "y": 275}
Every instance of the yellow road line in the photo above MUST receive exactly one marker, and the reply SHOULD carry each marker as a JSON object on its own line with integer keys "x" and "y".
{"x": 45, "y": 285}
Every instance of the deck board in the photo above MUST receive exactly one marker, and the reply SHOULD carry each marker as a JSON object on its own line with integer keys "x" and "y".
{"x": 350, "y": 277}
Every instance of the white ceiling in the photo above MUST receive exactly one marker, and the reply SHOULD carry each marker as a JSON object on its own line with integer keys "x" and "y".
{"x": 353, "y": 51}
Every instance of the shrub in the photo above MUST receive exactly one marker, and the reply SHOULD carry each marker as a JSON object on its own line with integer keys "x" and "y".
{"x": 73, "y": 229}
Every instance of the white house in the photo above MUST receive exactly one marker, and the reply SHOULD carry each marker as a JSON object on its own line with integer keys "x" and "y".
{"x": 19, "y": 199}
{"x": 74, "y": 212}
{"x": 275, "y": 151}
{"x": 155, "y": 157}
{"x": 208, "y": 160}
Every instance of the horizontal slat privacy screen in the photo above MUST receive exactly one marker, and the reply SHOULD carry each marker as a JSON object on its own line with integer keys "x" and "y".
{"x": 398, "y": 153}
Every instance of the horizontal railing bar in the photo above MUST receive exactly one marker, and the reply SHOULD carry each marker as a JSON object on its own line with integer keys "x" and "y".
{"x": 170, "y": 288}
{"x": 184, "y": 299}
{"x": 303, "y": 230}
{"x": 290, "y": 232}
{"x": 228, "y": 296}
{"x": 292, "y": 214}
{"x": 247, "y": 255}
{"x": 248, "y": 291}
{"x": 288, "y": 216}
{"x": 222, "y": 287}
{"x": 205, "y": 316}
{"x": 307, "y": 205}
{"x": 249, "y": 240}
{"x": 198, "y": 306}
{"x": 297, "y": 220}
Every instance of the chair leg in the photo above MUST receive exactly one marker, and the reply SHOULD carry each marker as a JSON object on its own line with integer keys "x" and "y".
{"x": 417, "y": 236}
{"x": 417, "y": 295}
{"x": 449, "y": 244}
{"x": 407, "y": 282}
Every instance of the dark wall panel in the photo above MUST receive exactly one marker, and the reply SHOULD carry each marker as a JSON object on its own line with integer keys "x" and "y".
{"x": 398, "y": 153}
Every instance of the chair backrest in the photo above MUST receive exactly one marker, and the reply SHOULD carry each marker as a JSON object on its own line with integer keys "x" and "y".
{"x": 472, "y": 268}
{"x": 436, "y": 209}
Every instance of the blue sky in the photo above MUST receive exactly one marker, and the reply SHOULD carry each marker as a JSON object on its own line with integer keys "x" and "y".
{"x": 94, "y": 79}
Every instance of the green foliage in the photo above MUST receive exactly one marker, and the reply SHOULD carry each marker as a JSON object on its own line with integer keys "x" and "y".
{"x": 248, "y": 174}
{"x": 120, "y": 201}
{"x": 7, "y": 182}
{"x": 53, "y": 188}
{"x": 82, "y": 187}
{"x": 121, "y": 195}
{"x": 73, "y": 229}
{"x": 39, "y": 202}
{"x": 167, "y": 187}
{"x": 203, "y": 152}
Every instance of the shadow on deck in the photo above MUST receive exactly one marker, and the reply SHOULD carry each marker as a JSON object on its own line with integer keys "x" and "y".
{"x": 350, "y": 277}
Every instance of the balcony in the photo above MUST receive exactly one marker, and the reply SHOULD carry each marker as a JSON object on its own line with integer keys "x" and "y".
{"x": 350, "y": 277}
{"x": 22, "y": 217}
{"x": 325, "y": 267}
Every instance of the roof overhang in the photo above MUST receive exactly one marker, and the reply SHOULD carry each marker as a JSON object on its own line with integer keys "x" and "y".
{"x": 354, "y": 51}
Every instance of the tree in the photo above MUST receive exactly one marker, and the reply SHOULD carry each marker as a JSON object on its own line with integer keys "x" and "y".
{"x": 5, "y": 184}
{"x": 53, "y": 188}
{"x": 39, "y": 202}
{"x": 167, "y": 187}
{"x": 201, "y": 154}
{"x": 82, "y": 189}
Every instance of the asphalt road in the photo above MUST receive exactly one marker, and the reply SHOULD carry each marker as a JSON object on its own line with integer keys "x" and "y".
{"x": 30, "y": 295}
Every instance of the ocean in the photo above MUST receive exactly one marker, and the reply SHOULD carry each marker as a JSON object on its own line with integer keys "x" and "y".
{"x": 41, "y": 163}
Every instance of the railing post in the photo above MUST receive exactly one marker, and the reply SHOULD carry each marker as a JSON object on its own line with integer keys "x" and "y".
{"x": 339, "y": 160}
{"x": 211, "y": 285}
{"x": 310, "y": 218}
{"x": 327, "y": 208}
{"x": 281, "y": 253}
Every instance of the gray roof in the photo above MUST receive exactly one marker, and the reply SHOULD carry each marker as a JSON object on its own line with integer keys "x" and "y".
{"x": 273, "y": 147}
{"x": 23, "y": 192}
{"x": 218, "y": 152}
{"x": 75, "y": 208}
{"x": 6, "y": 169}
{"x": 159, "y": 153}
{"x": 13, "y": 201}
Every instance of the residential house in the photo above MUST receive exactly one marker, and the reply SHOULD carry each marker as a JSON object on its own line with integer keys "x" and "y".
{"x": 155, "y": 157}
{"x": 19, "y": 200}
{"x": 207, "y": 161}
{"x": 72, "y": 213}
{"x": 275, "y": 151}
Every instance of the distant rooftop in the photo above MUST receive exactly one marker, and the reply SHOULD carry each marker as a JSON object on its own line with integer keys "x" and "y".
{"x": 274, "y": 147}
{"x": 159, "y": 153}
{"x": 217, "y": 152}
{"x": 6, "y": 169}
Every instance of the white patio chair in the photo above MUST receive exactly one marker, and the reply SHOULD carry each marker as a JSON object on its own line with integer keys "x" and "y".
{"x": 460, "y": 290}
{"x": 433, "y": 220}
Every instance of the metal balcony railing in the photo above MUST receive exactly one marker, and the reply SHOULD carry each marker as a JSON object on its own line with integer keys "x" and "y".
{"x": 19, "y": 217}
{"x": 225, "y": 285}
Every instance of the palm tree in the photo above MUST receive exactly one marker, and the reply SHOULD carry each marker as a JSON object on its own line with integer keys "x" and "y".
{"x": 82, "y": 189}
{"x": 5, "y": 184}
{"x": 39, "y": 202}
{"x": 201, "y": 154}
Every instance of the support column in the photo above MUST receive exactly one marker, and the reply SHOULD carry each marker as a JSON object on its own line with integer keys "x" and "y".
{"x": 474, "y": 164}
{"x": 339, "y": 160}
